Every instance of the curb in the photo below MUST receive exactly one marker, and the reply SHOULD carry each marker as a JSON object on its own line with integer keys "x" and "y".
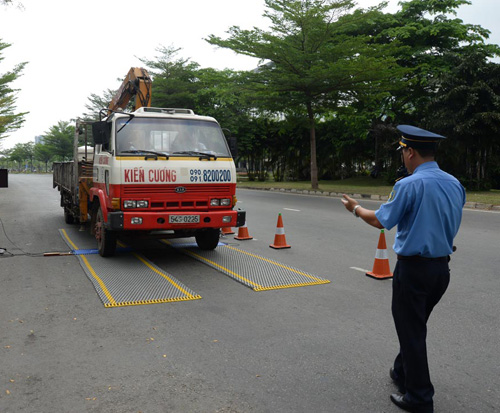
{"x": 468, "y": 205}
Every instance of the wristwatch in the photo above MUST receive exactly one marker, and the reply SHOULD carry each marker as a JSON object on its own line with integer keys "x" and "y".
{"x": 354, "y": 211}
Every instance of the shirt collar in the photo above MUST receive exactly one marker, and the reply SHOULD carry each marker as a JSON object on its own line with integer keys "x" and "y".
{"x": 426, "y": 166}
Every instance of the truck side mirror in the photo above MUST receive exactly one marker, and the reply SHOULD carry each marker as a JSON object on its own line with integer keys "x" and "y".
{"x": 233, "y": 146}
{"x": 101, "y": 132}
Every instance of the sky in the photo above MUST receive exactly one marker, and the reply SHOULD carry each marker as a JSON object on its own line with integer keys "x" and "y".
{"x": 76, "y": 48}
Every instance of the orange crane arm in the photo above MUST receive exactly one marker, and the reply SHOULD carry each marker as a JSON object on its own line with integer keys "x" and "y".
{"x": 137, "y": 83}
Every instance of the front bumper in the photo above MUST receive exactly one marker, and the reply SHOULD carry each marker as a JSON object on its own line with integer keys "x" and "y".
{"x": 122, "y": 221}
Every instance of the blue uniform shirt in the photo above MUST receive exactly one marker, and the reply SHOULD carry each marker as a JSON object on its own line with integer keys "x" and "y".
{"x": 427, "y": 207}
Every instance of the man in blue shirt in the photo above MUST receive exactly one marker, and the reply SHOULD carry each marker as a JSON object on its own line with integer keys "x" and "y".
{"x": 427, "y": 209}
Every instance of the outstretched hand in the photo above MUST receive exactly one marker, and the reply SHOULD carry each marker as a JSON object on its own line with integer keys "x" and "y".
{"x": 348, "y": 202}
{"x": 366, "y": 215}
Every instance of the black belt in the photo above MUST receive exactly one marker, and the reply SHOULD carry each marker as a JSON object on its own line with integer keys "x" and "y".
{"x": 420, "y": 258}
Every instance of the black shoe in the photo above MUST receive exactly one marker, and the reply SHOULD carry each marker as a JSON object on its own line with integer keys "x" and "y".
{"x": 399, "y": 400}
{"x": 401, "y": 387}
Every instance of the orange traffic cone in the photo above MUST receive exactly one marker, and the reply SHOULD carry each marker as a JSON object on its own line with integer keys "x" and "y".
{"x": 227, "y": 231}
{"x": 279, "y": 238}
{"x": 243, "y": 233}
{"x": 381, "y": 269}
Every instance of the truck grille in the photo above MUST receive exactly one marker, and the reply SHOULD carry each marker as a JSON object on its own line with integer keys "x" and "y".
{"x": 180, "y": 205}
{"x": 142, "y": 190}
{"x": 164, "y": 197}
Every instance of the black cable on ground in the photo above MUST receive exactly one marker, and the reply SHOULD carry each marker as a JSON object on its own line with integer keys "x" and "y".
{"x": 4, "y": 250}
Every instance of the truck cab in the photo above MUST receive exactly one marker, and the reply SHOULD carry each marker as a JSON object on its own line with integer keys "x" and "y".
{"x": 161, "y": 172}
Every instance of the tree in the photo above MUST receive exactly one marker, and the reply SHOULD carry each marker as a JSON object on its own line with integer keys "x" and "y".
{"x": 466, "y": 109}
{"x": 29, "y": 153}
{"x": 9, "y": 120}
{"x": 174, "y": 79}
{"x": 96, "y": 103}
{"x": 59, "y": 139}
{"x": 43, "y": 153}
{"x": 11, "y": 3}
{"x": 310, "y": 63}
{"x": 21, "y": 153}
{"x": 221, "y": 94}
{"x": 16, "y": 155}
{"x": 429, "y": 32}
{"x": 5, "y": 157}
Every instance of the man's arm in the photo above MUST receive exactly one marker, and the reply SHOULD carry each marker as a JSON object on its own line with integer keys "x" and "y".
{"x": 365, "y": 214}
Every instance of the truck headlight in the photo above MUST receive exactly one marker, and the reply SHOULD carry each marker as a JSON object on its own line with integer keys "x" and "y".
{"x": 214, "y": 202}
{"x": 142, "y": 204}
{"x": 136, "y": 220}
{"x": 225, "y": 202}
{"x": 129, "y": 204}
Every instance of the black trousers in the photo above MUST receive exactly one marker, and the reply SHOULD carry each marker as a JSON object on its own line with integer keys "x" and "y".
{"x": 417, "y": 287}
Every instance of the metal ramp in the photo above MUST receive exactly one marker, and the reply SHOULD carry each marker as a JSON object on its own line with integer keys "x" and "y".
{"x": 127, "y": 278}
{"x": 254, "y": 271}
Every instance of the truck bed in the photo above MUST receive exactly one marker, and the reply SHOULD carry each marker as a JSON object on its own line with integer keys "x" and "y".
{"x": 63, "y": 177}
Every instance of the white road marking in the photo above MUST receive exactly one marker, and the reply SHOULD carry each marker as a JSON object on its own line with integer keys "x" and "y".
{"x": 359, "y": 269}
{"x": 290, "y": 209}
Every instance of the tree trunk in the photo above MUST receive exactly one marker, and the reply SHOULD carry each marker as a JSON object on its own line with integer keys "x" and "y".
{"x": 312, "y": 135}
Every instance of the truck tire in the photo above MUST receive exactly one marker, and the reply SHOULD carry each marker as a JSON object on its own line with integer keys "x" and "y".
{"x": 208, "y": 239}
{"x": 106, "y": 239}
{"x": 68, "y": 217}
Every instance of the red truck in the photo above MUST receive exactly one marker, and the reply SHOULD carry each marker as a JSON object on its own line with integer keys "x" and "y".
{"x": 159, "y": 172}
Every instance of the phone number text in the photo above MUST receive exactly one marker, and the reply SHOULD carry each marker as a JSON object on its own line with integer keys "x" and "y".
{"x": 210, "y": 175}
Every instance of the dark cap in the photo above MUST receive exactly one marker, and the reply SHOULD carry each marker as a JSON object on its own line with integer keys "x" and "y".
{"x": 417, "y": 138}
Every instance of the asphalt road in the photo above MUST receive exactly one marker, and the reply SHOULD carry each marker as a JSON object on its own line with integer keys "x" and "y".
{"x": 323, "y": 348}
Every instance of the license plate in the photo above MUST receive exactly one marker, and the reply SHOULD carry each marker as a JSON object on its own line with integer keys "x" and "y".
{"x": 184, "y": 219}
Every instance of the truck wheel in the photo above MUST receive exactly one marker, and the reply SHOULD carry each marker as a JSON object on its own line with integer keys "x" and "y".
{"x": 68, "y": 217}
{"x": 208, "y": 239}
{"x": 106, "y": 239}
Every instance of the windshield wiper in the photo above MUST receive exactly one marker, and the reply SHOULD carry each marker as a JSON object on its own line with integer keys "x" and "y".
{"x": 140, "y": 151}
{"x": 206, "y": 155}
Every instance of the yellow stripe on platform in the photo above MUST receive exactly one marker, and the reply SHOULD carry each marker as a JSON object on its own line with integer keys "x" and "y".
{"x": 257, "y": 272}
{"x": 170, "y": 280}
{"x": 322, "y": 281}
{"x": 105, "y": 290}
{"x": 224, "y": 269}
{"x": 71, "y": 243}
{"x": 126, "y": 278}
{"x": 155, "y": 301}
{"x": 91, "y": 270}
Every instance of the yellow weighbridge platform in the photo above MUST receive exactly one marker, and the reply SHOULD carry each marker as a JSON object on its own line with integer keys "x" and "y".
{"x": 128, "y": 278}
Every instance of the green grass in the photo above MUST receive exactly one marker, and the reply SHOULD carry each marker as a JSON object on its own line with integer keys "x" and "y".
{"x": 486, "y": 197}
{"x": 362, "y": 185}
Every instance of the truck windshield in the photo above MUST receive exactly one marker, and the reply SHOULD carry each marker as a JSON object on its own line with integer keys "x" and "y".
{"x": 175, "y": 137}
